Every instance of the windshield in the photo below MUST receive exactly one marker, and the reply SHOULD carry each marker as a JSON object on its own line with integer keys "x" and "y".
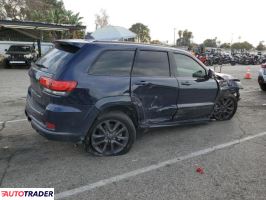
{"x": 19, "y": 48}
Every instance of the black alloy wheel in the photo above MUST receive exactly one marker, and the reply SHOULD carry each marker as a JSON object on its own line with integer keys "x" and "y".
{"x": 112, "y": 134}
{"x": 225, "y": 108}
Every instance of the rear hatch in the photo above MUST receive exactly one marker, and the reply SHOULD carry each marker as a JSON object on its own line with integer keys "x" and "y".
{"x": 52, "y": 63}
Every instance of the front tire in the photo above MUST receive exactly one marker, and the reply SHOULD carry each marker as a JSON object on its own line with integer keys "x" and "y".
{"x": 112, "y": 134}
{"x": 7, "y": 65}
{"x": 225, "y": 108}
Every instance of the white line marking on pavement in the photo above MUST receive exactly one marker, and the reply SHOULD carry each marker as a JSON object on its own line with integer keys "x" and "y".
{"x": 133, "y": 173}
{"x": 258, "y": 90}
{"x": 14, "y": 121}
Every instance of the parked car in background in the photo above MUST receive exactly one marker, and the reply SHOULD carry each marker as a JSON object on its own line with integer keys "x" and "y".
{"x": 20, "y": 55}
{"x": 102, "y": 93}
{"x": 262, "y": 77}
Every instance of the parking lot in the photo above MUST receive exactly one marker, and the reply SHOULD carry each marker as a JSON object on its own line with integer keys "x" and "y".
{"x": 161, "y": 165}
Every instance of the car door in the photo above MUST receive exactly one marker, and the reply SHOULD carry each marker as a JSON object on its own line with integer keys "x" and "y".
{"x": 153, "y": 90}
{"x": 197, "y": 92}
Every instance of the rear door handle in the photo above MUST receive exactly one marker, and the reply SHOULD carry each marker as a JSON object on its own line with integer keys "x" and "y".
{"x": 186, "y": 83}
{"x": 142, "y": 83}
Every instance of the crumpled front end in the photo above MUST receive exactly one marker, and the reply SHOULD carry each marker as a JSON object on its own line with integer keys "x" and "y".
{"x": 229, "y": 83}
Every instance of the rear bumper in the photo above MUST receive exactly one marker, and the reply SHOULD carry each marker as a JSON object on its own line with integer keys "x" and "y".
{"x": 70, "y": 125}
{"x": 52, "y": 135}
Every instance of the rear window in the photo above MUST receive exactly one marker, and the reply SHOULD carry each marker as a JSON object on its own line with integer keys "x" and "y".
{"x": 56, "y": 58}
{"x": 113, "y": 63}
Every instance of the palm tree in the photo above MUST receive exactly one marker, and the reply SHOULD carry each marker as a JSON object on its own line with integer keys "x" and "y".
{"x": 180, "y": 33}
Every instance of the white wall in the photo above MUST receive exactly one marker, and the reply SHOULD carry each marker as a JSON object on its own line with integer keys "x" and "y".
{"x": 45, "y": 46}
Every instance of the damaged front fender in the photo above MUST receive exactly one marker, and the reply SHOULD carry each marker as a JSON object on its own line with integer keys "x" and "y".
{"x": 229, "y": 83}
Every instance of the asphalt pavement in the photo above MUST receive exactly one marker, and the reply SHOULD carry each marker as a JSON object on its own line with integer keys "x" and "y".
{"x": 162, "y": 164}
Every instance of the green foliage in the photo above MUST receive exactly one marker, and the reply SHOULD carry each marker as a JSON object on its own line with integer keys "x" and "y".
{"x": 184, "y": 38}
{"x": 50, "y": 11}
{"x": 261, "y": 46}
{"x": 142, "y": 31}
{"x": 210, "y": 42}
{"x": 242, "y": 45}
{"x": 225, "y": 46}
{"x": 14, "y": 9}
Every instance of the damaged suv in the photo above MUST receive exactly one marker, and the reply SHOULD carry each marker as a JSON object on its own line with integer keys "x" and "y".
{"x": 101, "y": 93}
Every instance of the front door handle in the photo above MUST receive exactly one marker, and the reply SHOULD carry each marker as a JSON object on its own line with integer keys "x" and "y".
{"x": 186, "y": 83}
{"x": 143, "y": 83}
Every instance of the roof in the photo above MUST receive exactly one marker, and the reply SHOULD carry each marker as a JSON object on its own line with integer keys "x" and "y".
{"x": 16, "y": 24}
{"x": 113, "y": 33}
{"x": 124, "y": 44}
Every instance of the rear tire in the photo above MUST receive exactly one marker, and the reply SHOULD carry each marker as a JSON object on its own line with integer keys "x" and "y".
{"x": 111, "y": 134}
{"x": 225, "y": 108}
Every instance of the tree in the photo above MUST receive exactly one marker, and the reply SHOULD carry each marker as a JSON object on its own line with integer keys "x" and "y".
{"x": 242, "y": 45}
{"x": 50, "y": 11}
{"x": 184, "y": 38}
{"x": 210, "y": 42}
{"x": 225, "y": 46}
{"x": 180, "y": 33}
{"x": 101, "y": 19}
{"x": 14, "y": 9}
{"x": 261, "y": 46}
{"x": 142, "y": 31}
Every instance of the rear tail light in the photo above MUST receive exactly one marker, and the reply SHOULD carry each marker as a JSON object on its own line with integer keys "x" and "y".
{"x": 263, "y": 65}
{"x": 50, "y": 125}
{"x": 57, "y": 87}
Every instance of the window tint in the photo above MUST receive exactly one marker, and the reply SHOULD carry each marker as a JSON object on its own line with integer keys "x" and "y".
{"x": 151, "y": 63}
{"x": 19, "y": 48}
{"x": 113, "y": 63}
{"x": 54, "y": 60}
{"x": 188, "y": 67}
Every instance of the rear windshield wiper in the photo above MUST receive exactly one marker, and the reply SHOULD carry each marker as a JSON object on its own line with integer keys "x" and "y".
{"x": 41, "y": 66}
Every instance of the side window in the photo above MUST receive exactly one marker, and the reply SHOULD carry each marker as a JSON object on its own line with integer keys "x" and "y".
{"x": 113, "y": 62}
{"x": 151, "y": 63}
{"x": 188, "y": 67}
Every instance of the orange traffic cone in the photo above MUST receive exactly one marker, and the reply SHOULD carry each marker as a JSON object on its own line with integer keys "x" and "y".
{"x": 248, "y": 75}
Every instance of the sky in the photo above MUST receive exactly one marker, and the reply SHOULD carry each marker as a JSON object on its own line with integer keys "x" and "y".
{"x": 228, "y": 20}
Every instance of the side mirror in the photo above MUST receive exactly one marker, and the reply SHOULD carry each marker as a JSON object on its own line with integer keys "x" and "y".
{"x": 198, "y": 74}
{"x": 5, "y": 50}
{"x": 210, "y": 73}
{"x": 201, "y": 74}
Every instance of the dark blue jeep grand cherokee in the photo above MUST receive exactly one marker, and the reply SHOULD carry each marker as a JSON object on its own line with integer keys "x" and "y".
{"x": 102, "y": 92}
